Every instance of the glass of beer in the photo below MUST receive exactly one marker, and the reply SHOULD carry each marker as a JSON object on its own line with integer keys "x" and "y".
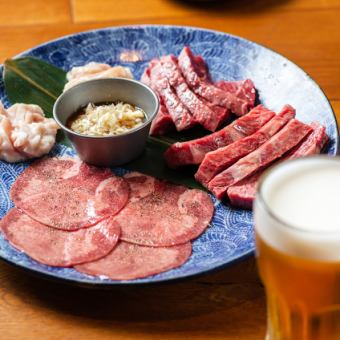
{"x": 297, "y": 226}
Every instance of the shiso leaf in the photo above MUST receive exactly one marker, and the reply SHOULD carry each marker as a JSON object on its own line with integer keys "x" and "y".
{"x": 32, "y": 81}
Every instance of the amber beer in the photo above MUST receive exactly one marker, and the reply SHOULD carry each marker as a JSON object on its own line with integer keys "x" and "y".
{"x": 297, "y": 224}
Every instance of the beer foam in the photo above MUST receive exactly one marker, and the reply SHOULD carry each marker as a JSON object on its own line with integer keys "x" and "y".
{"x": 297, "y": 209}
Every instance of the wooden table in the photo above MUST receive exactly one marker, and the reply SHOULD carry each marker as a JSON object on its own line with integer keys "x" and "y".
{"x": 229, "y": 304}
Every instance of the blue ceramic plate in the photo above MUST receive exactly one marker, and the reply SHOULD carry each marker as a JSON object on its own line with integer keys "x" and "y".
{"x": 278, "y": 81}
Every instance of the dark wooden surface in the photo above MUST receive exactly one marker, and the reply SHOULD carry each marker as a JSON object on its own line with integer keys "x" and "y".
{"x": 225, "y": 305}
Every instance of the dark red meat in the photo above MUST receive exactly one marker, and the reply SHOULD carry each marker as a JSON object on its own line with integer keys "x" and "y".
{"x": 179, "y": 113}
{"x": 201, "y": 112}
{"x": 216, "y": 161}
{"x": 162, "y": 123}
{"x": 205, "y": 112}
{"x": 201, "y": 68}
{"x": 222, "y": 114}
{"x": 58, "y": 247}
{"x": 145, "y": 78}
{"x": 193, "y": 152}
{"x": 243, "y": 89}
{"x": 312, "y": 145}
{"x": 130, "y": 261}
{"x": 243, "y": 194}
{"x": 274, "y": 148}
{"x": 163, "y": 214}
{"x": 68, "y": 194}
{"x": 217, "y": 96}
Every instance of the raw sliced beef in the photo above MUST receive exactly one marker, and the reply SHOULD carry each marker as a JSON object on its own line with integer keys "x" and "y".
{"x": 222, "y": 114}
{"x": 216, "y": 161}
{"x": 201, "y": 69}
{"x": 162, "y": 123}
{"x": 242, "y": 195}
{"x": 130, "y": 261}
{"x": 179, "y": 113}
{"x": 58, "y": 247}
{"x": 162, "y": 214}
{"x": 243, "y": 89}
{"x": 215, "y": 95}
{"x": 312, "y": 145}
{"x": 181, "y": 99}
{"x": 193, "y": 152}
{"x": 201, "y": 112}
{"x": 67, "y": 194}
{"x": 274, "y": 148}
{"x": 145, "y": 78}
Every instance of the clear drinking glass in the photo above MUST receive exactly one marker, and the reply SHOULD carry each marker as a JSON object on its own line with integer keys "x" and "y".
{"x": 297, "y": 226}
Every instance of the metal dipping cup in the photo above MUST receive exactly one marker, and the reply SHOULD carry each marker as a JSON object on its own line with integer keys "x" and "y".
{"x": 109, "y": 150}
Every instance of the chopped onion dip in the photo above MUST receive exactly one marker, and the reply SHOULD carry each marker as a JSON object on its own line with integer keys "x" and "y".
{"x": 106, "y": 119}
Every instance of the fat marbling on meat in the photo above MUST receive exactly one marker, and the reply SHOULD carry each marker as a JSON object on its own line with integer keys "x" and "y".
{"x": 216, "y": 161}
{"x": 193, "y": 151}
{"x": 214, "y": 94}
{"x": 274, "y": 148}
{"x": 243, "y": 193}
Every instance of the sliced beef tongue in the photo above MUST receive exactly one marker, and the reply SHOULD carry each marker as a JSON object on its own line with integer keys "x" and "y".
{"x": 217, "y": 96}
{"x": 179, "y": 113}
{"x": 193, "y": 152}
{"x": 58, "y": 247}
{"x": 162, "y": 214}
{"x": 242, "y": 195}
{"x": 216, "y": 161}
{"x": 130, "y": 261}
{"x": 273, "y": 149}
{"x": 201, "y": 112}
{"x": 68, "y": 195}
